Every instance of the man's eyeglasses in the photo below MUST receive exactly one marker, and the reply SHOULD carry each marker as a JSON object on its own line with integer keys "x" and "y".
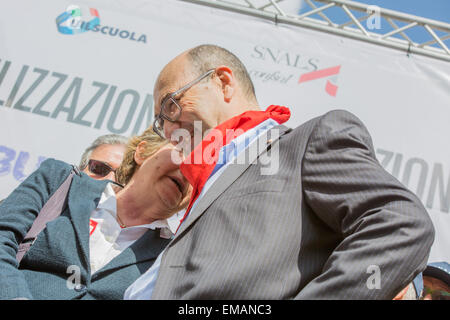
{"x": 170, "y": 109}
{"x": 99, "y": 168}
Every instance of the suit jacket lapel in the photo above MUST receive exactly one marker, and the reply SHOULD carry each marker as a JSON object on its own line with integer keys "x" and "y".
{"x": 229, "y": 175}
{"x": 84, "y": 196}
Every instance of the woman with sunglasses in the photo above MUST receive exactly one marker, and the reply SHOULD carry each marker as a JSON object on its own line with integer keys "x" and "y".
{"x": 106, "y": 236}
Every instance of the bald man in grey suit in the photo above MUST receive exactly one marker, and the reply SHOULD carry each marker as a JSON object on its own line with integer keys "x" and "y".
{"x": 331, "y": 223}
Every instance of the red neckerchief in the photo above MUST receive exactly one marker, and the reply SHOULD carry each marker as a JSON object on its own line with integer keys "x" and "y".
{"x": 198, "y": 173}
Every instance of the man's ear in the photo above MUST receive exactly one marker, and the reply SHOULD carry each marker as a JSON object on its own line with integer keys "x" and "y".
{"x": 140, "y": 151}
{"x": 228, "y": 82}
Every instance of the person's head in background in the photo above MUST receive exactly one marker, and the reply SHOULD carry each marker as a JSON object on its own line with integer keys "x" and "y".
{"x": 102, "y": 158}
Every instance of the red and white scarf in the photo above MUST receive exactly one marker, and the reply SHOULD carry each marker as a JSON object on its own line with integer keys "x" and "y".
{"x": 198, "y": 173}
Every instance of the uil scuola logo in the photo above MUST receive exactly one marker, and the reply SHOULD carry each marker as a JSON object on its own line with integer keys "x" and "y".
{"x": 74, "y": 20}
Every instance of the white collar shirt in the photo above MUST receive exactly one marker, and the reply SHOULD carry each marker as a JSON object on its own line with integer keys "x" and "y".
{"x": 107, "y": 239}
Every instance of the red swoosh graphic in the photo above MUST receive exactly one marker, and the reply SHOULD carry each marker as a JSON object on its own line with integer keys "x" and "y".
{"x": 319, "y": 74}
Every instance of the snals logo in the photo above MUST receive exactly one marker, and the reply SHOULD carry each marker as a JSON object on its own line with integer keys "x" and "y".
{"x": 74, "y": 20}
{"x": 289, "y": 64}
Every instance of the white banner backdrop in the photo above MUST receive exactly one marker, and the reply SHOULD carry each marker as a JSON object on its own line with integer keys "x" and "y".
{"x": 62, "y": 85}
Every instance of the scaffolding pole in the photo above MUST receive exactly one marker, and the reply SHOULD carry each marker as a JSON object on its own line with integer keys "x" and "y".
{"x": 354, "y": 28}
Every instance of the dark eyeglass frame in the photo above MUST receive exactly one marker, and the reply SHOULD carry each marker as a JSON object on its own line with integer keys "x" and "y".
{"x": 93, "y": 162}
{"x": 158, "y": 123}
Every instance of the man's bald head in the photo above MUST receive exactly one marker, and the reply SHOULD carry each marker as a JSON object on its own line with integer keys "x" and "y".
{"x": 199, "y": 60}
{"x": 176, "y": 70}
{"x": 206, "y": 57}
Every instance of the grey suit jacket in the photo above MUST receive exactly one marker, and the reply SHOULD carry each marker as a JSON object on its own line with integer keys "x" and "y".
{"x": 330, "y": 224}
{"x": 48, "y": 269}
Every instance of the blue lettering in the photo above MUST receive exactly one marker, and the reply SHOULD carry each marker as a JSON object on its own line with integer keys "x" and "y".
{"x": 22, "y": 159}
{"x": 124, "y": 34}
{"x": 113, "y": 31}
{"x": 40, "y": 160}
{"x": 5, "y": 162}
{"x": 8, "y": 165}
{"x": 142, "y": 38}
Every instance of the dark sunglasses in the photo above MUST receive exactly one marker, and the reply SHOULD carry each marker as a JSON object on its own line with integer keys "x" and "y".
{"x": 99, "y": 168}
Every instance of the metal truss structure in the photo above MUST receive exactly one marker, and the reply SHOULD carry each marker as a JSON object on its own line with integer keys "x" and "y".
{"x": 361, "y": 24}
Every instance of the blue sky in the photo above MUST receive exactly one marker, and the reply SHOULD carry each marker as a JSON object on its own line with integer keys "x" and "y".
{"x": 431, "y": 9}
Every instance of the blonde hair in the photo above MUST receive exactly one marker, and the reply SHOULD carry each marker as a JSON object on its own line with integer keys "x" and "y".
{"x": 128, "y": 166}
